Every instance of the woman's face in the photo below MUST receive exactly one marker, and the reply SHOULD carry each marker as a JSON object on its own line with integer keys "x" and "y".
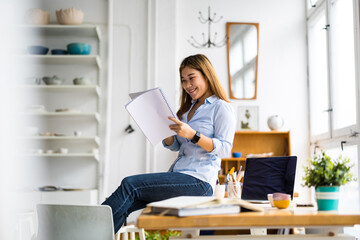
{"x": 194, "y": 83}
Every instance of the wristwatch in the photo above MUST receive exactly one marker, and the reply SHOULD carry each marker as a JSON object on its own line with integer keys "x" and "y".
{"x": 196, "y": 138}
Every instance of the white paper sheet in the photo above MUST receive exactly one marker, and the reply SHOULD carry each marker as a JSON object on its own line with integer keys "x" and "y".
{"x": 150, "y": 110}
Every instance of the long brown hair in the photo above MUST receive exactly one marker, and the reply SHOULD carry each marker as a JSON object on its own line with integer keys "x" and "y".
{"x": 202, "y": 64}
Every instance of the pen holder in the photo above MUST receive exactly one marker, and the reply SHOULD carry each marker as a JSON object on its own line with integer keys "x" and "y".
{"x": 234, "y": 189}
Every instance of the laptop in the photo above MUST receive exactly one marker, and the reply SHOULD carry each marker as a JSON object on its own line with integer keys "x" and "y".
{"x": 268, "y": 175}
{"x": 74, "y": 222}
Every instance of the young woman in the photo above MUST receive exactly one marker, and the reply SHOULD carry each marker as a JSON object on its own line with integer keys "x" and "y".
{"x": 203, "y": 136}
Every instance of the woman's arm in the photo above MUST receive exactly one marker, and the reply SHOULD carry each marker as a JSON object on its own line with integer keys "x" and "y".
{"x": 184, "y": 130}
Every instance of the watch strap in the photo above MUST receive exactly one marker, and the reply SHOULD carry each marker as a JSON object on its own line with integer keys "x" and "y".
{"x": 196, "y": 138}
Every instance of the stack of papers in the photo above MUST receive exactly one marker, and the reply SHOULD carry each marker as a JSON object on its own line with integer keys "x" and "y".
{"x": 194, "y": 205}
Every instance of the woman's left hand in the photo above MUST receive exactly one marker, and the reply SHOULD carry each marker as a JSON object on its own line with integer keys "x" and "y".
{"x": 182, "y": 129}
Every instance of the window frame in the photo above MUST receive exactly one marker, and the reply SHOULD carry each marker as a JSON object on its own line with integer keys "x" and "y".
{"x": 352, "y": 130}
{"x": 349, "y": 135}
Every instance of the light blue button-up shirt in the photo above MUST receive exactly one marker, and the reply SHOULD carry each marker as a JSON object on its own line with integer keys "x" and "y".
{"x": 214, "y": 119}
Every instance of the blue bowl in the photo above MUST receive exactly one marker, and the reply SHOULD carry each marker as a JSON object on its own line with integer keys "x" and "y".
{"x": 58, "y": 52}
{"x": 39, "y": 50}
{"x": 236, "y": 154}
{"x": 79, "y": 48}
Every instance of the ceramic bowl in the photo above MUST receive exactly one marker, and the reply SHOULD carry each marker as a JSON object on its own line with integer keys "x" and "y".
{"x": 79, "y": 48}
{"x": 58, "y": 52}
{"x": 70, "y": 16}
{"x": 53, "y": 80}
{"x": 236, "y": 154}
{"x": 82, "y": 81}
{"x": 271, "y": 199}
{"x": 281, "y": 200}
{"x": 39, "y": 50}
{"x": 275, "y": 122}
{"x": 36, "y": 16}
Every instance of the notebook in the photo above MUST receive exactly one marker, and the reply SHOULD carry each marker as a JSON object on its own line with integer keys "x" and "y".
{"x": 268, "y": 175}
{"x": 75, "y": 222}
{"x": 184, "y": 206}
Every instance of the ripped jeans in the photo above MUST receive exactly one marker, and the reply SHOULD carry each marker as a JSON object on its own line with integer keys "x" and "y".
{"x": 138, "y": 190}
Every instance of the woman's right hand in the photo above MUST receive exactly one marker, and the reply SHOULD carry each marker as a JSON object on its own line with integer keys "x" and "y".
{"x": 169, "y": 140}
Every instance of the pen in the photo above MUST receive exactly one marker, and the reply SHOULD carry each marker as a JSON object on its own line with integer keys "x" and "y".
{"x": 239, "y": 174}
{"x": 239, "y": 169}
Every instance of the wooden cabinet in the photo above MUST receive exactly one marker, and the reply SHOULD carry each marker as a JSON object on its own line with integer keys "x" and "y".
{"x": 255, "y": 142}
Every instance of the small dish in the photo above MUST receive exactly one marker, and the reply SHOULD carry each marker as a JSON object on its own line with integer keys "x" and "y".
{"x": 48, "y": 188}
{"x": 281, "y": 200}
{"x": 63, "y": 150}
{"x": 53, "y": 80}
{"x": 236, "y": 154}
{"x": 37, "y": 50}
{"x": 79, "y": 48}
{"x": 62, "y": 110}
{"x": 58, "y": 52}
{"x": 82, "y": 81}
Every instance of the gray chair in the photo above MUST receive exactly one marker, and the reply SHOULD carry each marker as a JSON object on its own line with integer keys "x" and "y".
{"x": 75, "y": 222}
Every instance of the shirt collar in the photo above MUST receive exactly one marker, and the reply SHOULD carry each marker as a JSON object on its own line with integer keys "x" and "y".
{"x": 210, "y": 99}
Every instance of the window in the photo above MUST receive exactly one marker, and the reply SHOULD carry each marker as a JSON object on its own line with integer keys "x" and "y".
{"x": 333, "y": 53}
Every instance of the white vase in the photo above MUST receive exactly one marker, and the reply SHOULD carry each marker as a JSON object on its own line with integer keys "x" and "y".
{"x": 275, "y": 122}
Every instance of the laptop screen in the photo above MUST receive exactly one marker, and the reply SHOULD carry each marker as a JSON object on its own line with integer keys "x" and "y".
{"x": 268, "y": 175}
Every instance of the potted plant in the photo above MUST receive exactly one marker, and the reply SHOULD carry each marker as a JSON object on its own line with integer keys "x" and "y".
{"x": 327, "y": 175}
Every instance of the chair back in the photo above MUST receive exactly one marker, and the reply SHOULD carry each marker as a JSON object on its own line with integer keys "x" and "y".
{"x": 75, "y": 222}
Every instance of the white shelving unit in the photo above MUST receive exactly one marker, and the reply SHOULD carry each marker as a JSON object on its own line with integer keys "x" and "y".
{"x": 95, "y": 116}
{"x": 60, "y": 59}
{"x": 61, "y": 88}
{"x": 80, "y": 167}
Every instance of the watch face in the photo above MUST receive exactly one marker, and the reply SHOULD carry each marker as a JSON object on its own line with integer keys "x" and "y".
{"x": 196, "y": 138}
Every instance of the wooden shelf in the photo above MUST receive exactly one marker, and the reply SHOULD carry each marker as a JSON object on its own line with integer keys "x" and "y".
{"x": 255, "y": 142}
{"x": 234, "y": 159}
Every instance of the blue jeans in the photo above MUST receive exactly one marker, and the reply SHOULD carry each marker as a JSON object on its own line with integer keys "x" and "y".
{"x": 138, "y": 190}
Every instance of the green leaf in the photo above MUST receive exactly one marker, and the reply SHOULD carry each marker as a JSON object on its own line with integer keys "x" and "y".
{"x": 324, "y": 171}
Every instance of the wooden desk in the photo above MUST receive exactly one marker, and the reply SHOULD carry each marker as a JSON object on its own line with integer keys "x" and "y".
{"x": 330, "y": 222}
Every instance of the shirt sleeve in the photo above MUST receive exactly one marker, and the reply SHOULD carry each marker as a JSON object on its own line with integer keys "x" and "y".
{"x": 175, "y": 146}
{"x": 224, "y": 124}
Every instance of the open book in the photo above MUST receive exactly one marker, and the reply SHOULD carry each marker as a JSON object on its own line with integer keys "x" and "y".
{"x": 194, "y": 205}
{"x": 150, "y": 110}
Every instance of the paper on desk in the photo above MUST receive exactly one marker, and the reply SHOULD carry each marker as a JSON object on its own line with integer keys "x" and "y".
{"x": 150, "y": 110}
{"x": 203, "y": 202}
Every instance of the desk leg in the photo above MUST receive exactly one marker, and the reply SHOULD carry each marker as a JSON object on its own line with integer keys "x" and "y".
{"x": 258, "y": 231}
